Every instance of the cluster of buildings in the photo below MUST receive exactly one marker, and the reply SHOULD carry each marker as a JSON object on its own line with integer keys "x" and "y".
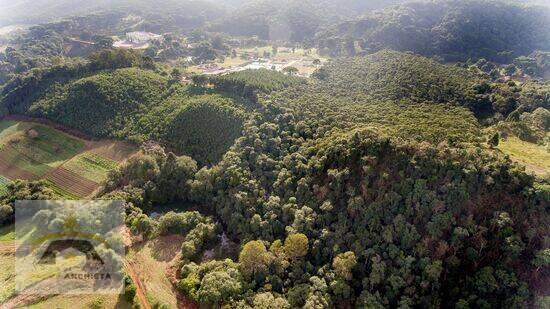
{"x": 137, "y": 40}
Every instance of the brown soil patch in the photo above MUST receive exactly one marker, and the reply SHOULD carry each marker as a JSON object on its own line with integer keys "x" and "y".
{"x": 8, "y": 248}
{"x": 166, "y": 248}
{"x": 114, "y": 150}
{"x": 13, "y": 172}
{"x": 72, "y": 182}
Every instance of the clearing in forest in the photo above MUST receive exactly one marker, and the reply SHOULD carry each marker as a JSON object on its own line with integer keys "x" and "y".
{"x": 155, "y": 262}
{"x": 536, "y": 158}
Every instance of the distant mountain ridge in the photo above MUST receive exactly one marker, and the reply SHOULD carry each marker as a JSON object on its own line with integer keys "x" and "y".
{"x": 41, "y": 11}
{"x": 292, "y": 19}
{"x": 454, "y": 30}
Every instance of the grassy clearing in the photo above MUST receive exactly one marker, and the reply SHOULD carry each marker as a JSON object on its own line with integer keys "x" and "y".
{"x": 152, "y": 261}
{"x": 7, "y": 273}
{"x": 8, "y": 128}
{"x": 46, "y": 145}
{"x": 113, "y": 150}
{"x": 7, "y": 264}
{"x": 91, "y": 166}
{"x": 36, "y": 148}
{"x": 536, "y": 158}
{"x": 11, "y": 155}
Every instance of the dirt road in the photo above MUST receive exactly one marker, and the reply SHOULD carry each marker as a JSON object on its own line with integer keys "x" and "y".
{"x": 140, "y": 291}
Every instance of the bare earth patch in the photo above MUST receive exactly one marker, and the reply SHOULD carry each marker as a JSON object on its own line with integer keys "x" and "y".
{"x": 154, "y": 262}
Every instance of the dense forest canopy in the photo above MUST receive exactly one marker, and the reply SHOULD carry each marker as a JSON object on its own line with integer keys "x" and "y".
{"x": 454, "y": 30}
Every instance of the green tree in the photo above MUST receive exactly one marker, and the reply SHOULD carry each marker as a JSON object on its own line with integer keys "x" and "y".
{"x": 253, "y": 257}
{"x": 290, "y": 70}
{"x": 494, "y": 141}
{"x": 343, "y": 264}
{"x": 176, "y": 75}
{"x": 296, "y": 245}
{"x": 269, "y": 301}
{"x": 219, "y": 287}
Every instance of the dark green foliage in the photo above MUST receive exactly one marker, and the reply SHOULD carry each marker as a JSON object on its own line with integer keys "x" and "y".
{"x": 537, "y": 64}
{"x": 389, "y": 91}
{"x": 530, "y": 119}
{"x": 389, "y": 75}
{"x": 531, "y": 127}
{"x": 21, "y": 190}
{"x": 103, "y": 104}
{"x": 165, "y": 178}
{"x": 211, "y": 126}
{"x": 248, "y": 83}
{"x": 362, "y": 202}
{"x": 534, "y": 95}
{"x": 493, "y": 142}
{"x": 213, "y": 282}
{"x": 196, "y": 229}
{"x": 37, "y": 48}
{"x": 129, "y": 290}
{"x": 114, "y": 59}
{"x": 454, "y": 30}
{"x": 179, "y": 223}
{"x": 365, "y": 186}
{"x": 419, "y": 210}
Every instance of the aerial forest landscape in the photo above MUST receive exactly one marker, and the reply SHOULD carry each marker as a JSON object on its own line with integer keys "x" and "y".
{"x": 276, "y": 153}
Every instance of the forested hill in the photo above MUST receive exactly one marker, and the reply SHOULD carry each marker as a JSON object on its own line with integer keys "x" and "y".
{"x": 454, "y": 30}
{"x": 349, "y": 201}
{"x": 121, "y": 99}
{"x": 41, "y": 11}
{"x": 390, "y": 75}
{"x": 292, "y": 20}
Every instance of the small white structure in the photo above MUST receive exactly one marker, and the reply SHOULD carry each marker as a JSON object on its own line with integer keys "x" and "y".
{"x": 140, "y": 37}
{"x": 137, "y": 40}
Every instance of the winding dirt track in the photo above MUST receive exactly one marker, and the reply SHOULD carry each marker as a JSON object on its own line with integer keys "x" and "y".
{"x": 140, "y": 293}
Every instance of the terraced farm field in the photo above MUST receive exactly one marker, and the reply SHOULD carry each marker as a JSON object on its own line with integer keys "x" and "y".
{"x": 72, "y": 166}
{"x": 3, "y": 183}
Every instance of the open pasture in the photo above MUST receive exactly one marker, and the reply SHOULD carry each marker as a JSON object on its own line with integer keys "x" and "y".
{"x": 535, "y": 158}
